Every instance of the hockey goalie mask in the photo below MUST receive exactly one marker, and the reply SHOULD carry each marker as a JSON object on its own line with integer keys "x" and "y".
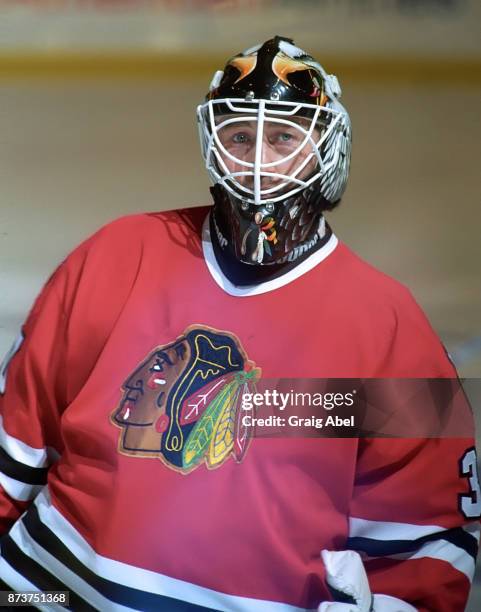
{"x": 276, "y": 143}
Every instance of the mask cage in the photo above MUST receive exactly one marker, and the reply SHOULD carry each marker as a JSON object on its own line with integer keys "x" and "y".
{"x": 213, "y": 116}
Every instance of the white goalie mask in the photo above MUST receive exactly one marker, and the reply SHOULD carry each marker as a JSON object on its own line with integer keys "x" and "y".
{"x": 275, "y": 140}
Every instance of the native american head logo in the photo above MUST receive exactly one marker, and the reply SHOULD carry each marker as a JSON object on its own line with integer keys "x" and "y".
{"x": 182, "y": 404}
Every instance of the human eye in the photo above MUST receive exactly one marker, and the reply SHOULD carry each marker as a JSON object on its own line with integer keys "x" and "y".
{"x": 240, "y": 138}
{"x": 284, "y": 138}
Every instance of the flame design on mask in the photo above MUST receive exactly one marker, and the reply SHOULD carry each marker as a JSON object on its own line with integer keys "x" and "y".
{"x": 283, "y": 66}
{"x": 245, "y": 65}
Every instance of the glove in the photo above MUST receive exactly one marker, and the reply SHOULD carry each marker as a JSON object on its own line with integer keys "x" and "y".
{"x": 348, "y": 583}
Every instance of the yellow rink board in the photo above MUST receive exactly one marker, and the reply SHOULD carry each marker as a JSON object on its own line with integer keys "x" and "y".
{"x": 189, "y": 66}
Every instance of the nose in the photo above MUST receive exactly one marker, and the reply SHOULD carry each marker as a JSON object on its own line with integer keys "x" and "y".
{"x": 269, "y": 154}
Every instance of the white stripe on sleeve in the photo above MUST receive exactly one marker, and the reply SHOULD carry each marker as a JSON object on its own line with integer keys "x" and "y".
{"x": 16, "y": 489}
{"x": 440, "y": 549}
{"x": 385, "y": 530}
{"x": 21, "y": 452}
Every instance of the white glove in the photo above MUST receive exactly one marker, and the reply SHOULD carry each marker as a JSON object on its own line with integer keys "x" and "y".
{"x": 345, "y": 574}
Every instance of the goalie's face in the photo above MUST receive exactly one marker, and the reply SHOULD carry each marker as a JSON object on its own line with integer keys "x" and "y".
{"x": 263, "y": 151}
{"x": 283, "y": 151}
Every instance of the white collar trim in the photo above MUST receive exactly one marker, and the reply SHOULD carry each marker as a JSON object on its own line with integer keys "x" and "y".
{"x": 245, "y": 291}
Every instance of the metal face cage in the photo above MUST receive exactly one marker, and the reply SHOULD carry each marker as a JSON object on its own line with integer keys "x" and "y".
{"x": 323, "y": 142}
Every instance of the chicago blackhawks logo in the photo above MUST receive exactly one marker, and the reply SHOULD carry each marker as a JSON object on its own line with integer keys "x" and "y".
{"x": 182, "y": 404}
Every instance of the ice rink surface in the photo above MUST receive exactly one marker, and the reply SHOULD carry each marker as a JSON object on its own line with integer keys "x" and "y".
{"x": 74, "y": 155}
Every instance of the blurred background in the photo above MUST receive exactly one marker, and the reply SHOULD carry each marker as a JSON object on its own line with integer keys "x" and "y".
{"x": 97, "y": 101}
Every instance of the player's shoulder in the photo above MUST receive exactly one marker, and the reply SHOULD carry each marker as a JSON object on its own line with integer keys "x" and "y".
{"x": 120, "y": 246}
{"x": 139, "y": 225}
{"x": 130, "y": 234}
{"x": 412, "y": 347}
{"x": 371, "y": 284}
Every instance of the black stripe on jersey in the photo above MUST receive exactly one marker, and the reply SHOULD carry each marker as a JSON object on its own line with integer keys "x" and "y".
{"x": 119, "y": 593}
{"x": 39, "y": 576}
{"x": 20, "y": 471}
{"x": 381, "y": 548}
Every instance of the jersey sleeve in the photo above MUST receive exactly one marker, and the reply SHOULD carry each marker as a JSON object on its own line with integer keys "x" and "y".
{"x": 414, "y": 518}
{"x": 59, "y": 344}
{"x": 31, "y": 400}
{"x": 50, "y": 360}
{"x": 416, "y": 503}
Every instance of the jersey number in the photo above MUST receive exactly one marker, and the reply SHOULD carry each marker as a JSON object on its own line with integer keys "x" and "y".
{"x": 470, "y": 503}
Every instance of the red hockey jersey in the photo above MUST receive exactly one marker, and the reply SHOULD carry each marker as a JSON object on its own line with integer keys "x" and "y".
{"x": 115, "y": 396}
